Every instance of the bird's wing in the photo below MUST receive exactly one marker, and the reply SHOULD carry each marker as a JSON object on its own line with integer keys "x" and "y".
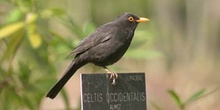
{"x": 101, "y": 35}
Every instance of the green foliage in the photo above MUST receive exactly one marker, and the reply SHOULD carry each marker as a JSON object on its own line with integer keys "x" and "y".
{"x": 195, "y": 96}
{"x": 27, "y": 67}
{"x": 29, "y": 55}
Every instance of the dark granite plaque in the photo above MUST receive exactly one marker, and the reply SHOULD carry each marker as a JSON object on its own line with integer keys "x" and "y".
{"x": 129, "y": 93}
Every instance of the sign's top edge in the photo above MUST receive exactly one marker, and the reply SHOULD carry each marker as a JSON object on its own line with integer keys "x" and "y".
{"x": 108, "y": 73}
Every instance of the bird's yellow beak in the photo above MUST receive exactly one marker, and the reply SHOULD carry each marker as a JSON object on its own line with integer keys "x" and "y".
{"x": 142, "y": 20}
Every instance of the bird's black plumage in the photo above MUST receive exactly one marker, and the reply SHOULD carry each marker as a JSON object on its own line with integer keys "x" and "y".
{"x": 103, "y": 47}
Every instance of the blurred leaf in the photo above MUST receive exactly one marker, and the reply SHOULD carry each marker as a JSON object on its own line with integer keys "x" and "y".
{"x": 13, "y": 45}
{"x": 35, "y": 40}
{"x": 24, "y": 73}
{"x": 58, "y": 40}
{"x": 33, "y": 36}
{"x": 66, "y": 99}
{"x": 47, "y": 13}
{"x": 74, "y": 27}
{"x": 176, "y": 98}
{"x": 88, "y": 28}
{"x": 31, "y": 18}
{"x": 155, "y": 106}
{"x": 25, "y": 5}
{"x": 13, "y": 16}
{"x": 28, "y": 102}
{"x": 10, "y": 29}
{"x": 9, "y": 95}
{"x": 195, "y": 96}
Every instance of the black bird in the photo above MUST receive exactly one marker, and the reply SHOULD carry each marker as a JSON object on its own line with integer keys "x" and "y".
{"x": 103, "y": 47}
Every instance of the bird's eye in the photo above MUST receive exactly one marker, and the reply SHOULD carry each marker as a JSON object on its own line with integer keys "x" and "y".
{"x": 130, "y": 19}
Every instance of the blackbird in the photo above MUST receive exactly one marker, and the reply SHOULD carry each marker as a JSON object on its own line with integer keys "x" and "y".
{"x": 103, "y": 47}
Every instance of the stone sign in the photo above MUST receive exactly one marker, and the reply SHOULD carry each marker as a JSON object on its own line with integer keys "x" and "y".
{"x": 129, "y": 93}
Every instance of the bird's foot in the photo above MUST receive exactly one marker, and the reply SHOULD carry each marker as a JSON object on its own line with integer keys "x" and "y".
{"x": 113, "y": 75}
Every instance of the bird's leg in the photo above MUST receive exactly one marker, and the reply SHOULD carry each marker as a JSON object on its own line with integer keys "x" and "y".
{"x": 113, "y": 75}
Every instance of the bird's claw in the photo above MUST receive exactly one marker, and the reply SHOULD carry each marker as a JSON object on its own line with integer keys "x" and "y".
{"x": 113, "y": 76}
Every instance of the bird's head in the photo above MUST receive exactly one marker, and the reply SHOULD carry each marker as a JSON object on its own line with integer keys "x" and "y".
{"x": 130, "y": 20}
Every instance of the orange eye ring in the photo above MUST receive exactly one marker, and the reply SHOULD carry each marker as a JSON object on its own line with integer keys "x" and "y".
{"x": 131, "y": 19}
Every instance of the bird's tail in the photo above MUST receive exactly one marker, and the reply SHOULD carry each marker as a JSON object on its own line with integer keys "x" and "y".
{"x": 74, "y": 66}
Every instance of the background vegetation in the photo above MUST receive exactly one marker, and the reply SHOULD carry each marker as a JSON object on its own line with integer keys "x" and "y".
{"x": 178, "y": 50}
